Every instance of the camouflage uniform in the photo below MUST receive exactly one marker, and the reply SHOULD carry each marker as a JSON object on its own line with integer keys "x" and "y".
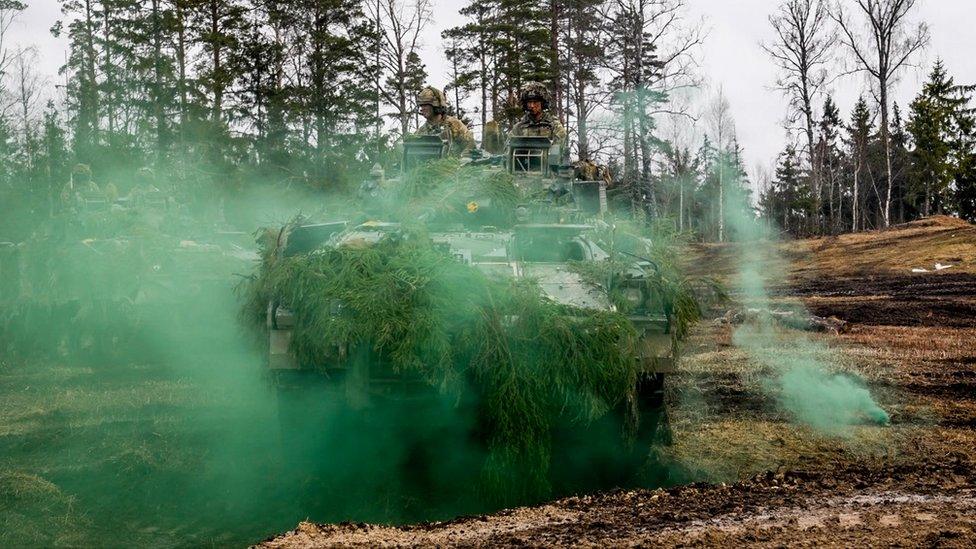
{"x": 587, "y": 170}
{"x": 546, "y": 125}
{"x": 493, "y": 138}
{"x": 450, "y": 128}
{"x": 79, "y": 182}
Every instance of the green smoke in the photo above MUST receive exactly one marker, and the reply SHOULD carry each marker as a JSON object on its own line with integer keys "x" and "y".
{"x": 803, "y": 379}
{"x": 133, "y": 403}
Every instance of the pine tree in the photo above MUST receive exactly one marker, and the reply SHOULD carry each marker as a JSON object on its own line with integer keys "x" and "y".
{"x": 859, "y": 133}
{"x": 522, "y": 43}
{"x": 414, "y": 80}
{"x": 216, "y": 27}
{"x": 638, "y": 69}
{"x": 477, "y": 37}
{"x": 585, "y": 52}
{"x": 334, "y": 92}
{"x": 462, "y": 58}
{"x": 900, "y": 166}
{"x": 82, "y": 62}
{"x": 53, "y": 155}
{"x": 829, "y": 160}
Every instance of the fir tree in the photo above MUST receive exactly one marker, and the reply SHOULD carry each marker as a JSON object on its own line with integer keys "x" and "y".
{"x": 900, "y": 165}
{"x": 788, "y": 201}
{"x": 930, "y": 127}
{"x": 859, "y": 133}
{"x": 82, "y": 62}
{"x": 829, "y": 159}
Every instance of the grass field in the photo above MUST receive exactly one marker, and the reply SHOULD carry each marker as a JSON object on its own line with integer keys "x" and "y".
{"x": 181, "y": 448}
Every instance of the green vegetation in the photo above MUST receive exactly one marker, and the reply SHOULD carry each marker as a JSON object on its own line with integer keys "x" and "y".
{"x": 529, "y": 361}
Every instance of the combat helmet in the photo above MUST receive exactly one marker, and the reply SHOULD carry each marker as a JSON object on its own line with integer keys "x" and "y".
{"x": 536, "y": 91}
{"x": 433, "y": 97}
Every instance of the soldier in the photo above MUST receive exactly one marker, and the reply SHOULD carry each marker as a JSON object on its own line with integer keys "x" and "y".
{"x": 537, "y": 120}
{"x": 433, "y": 106}
{"x": 79, "y": 182}
{"x": 492, "y": 139}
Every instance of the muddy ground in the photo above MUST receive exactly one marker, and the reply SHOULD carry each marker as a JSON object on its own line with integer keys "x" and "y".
{"x": 763, "y": 478}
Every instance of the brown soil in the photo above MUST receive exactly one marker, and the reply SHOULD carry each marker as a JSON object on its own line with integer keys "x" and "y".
{"x": 771, "y": 482}
{"x": 927, "y": 504}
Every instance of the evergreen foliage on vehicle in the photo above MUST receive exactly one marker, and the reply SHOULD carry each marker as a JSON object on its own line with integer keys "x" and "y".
{"x": 529, "y": 361}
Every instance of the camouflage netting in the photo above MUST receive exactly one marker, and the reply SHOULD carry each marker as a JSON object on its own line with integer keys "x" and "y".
{"x": 530, "y": 361}
{"x": 684, "y": 298}
{"x": 443, "y": 191}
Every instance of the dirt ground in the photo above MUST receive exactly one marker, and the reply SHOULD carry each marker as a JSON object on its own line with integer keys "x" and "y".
{"x": 762, "y": 478}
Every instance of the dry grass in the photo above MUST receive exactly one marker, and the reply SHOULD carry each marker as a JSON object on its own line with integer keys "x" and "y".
{"x": 727, "y": 429}
{"x": 899, "y": 249}
{"x": 907, "y": 343}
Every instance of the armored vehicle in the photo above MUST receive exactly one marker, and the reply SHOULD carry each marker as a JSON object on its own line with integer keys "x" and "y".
{"x": 553, "y": 231}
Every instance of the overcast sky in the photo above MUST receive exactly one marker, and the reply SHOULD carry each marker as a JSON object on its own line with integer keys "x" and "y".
{"x": 731, "y": 57}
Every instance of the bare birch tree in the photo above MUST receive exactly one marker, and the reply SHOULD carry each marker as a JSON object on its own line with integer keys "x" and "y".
{"x": 882, "y": 44}
{"x": 399, "y": 26}
{"x": 9, "y": 9}
{"x": 801, "y": 51}
{"x": 721, "y": 126}
{"x": 27, "y": 92}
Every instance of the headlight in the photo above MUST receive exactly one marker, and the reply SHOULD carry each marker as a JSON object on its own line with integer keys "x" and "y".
{"x": 634, "y": 296}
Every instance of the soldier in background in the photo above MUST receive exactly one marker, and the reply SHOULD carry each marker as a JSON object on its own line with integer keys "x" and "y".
{"x": 433, "y": 107}
{"x": 80, "y": 181}
{"x": 496, "y": 131}
{"x": 587, "y": 170}
{"x": 538, "y": 121}
{"x": 492, "y": 138}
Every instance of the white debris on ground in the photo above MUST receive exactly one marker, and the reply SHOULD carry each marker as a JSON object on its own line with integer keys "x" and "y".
{"x": 938, "y": 267}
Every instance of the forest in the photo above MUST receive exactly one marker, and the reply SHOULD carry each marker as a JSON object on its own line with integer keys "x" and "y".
{"x": 203, "y": 97}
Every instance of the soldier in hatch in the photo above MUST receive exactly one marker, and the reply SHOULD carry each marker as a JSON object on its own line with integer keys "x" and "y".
{"x": 538, "y": 121}
{"x": 433, "y": 106}
{"x": 78, "y": 183}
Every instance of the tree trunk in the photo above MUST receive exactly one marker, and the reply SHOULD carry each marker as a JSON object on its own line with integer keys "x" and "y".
{"x": 181, "y": 68}
{"x": 721, "y": 201}
{"x": 157, "y": 99}
{"x": 218, "y": 92}
{"x": 484, "y": 81}
{"x": 557, "y": 90}
{"x": 856, "y": 196}
{"x": 886, "y": 137}
{"x": 109, "y": 75}
{"x": 378, "y": 83}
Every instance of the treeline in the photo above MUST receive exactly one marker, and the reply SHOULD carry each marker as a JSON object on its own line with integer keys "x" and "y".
{"x": 876, "y": 166}
{"x": 933, "y": 160}
{"x": 217, "y": 93}
{"x": 214, "y": 94}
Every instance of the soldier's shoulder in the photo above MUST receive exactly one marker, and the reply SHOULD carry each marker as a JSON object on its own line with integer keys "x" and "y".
{"x": 523, "y": 122}
{"x": 455, "y": 123}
